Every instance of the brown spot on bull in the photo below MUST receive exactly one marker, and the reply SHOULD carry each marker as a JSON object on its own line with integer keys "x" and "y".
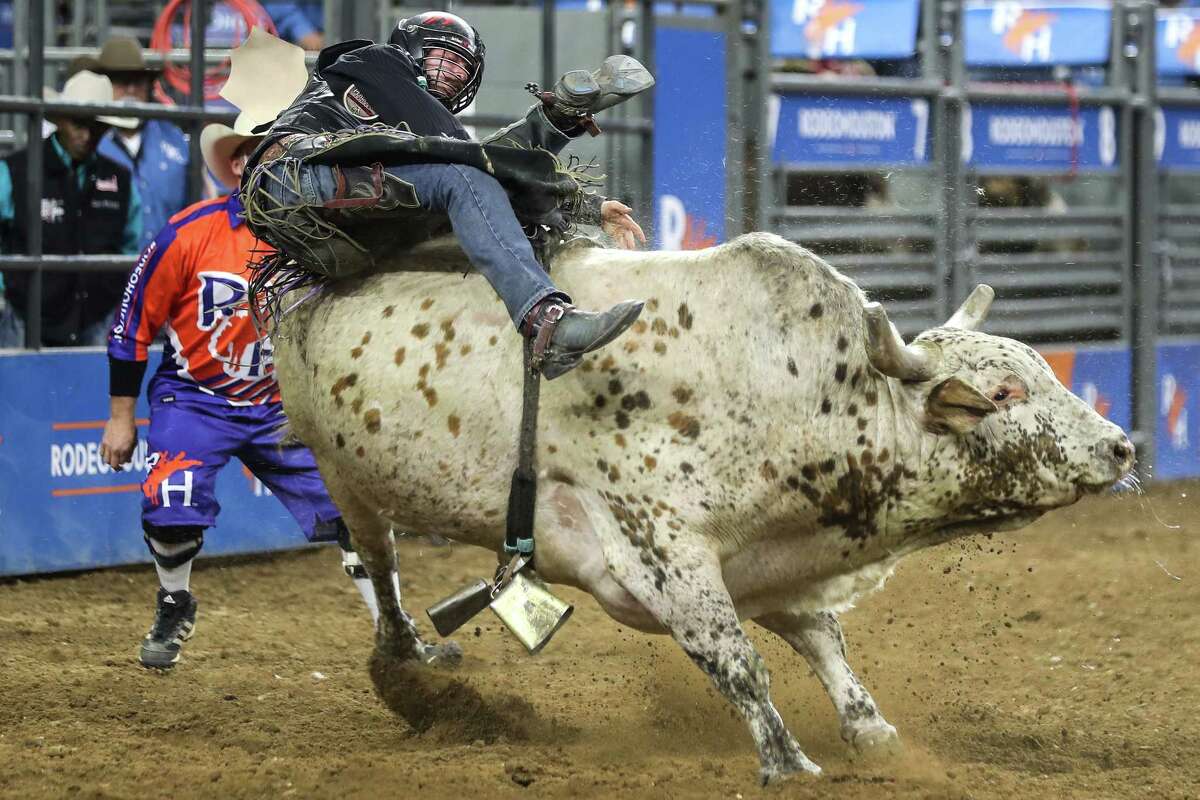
{"x": 551, "y": 449}
{"x": 809, "y": 472}
{"x": 852, "y": 410}
{"x": 614, "y": 474}
{"x": 839, "y": 372}
{"x": 660, "y": 348}
{"x": 420, "y": 330}
{"x": 640, "y": 327}
{"x": 650, "y": 461}
{"x": 826, "y": 406}
{"x": 356, "y": 352}
{"x": 816, "y": 311}
{"x": 601, "y": 465}
{"x": 340, "y": 440}
{"x": 619, "y": 439}
{"x": 862, "y": 424}
{"x": 360, "y": 452}
{"x": 399, "y": 356}
{"x": 652, "y": 304}
{"x": 659, "y": 326}
{"x": 366, "y": 338}
{"x": 631, "y": 345}
{"x": 423, "y": 372}
{"x": 371, "y": 420}
{"x": 441, "y": 353}
{"x": 601, "y": 401}
{"x": 356, "y": 406}
{"x": 342, "y": 384}
{"x": 681, "y": 394}
{"x": 687, "y": 425}
{"x": 430, "y": 396}
{"x": 427, "y": 303}
{"x": 791, "y": 366}
{"x": 466, "y": 348}
{"x": 827, "y": 466}
{"x": 768, "y": 471}
{"x": 686, "y": 468}
{"x": 389, "y": 310}
{"x": 884, "y": 455}
{"x": 871, "y": 397}
{"x": 686, "y": 317}
{"x": 792, "y": 482}
{"x": 454, "y": 424}
{"x": 622, "y": 419}
{"x": 842, "y": 344}
{"x": 615, "y": 386}
{"x": 447, "y": 327}
{"x": 492, "y": 341}
{"x": 608, "y": 364}
{"x": 673, "y": 332}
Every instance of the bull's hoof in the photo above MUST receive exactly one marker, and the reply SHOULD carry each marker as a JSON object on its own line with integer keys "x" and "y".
{"x": 797, "y": 765}
{"x": 446, "y": 655}
{"x": 878, "y": 739}
{"x": 875, "y": 740}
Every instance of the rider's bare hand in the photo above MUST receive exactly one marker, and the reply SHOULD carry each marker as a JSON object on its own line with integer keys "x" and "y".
{"x": 617, "y": 221}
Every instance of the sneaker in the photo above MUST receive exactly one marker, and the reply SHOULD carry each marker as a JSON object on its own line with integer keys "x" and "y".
{"x": 563, "y": 334}
{"x": 174, "y": 622}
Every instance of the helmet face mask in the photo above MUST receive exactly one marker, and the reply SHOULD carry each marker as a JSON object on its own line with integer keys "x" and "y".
{"x": 450, "y": 53}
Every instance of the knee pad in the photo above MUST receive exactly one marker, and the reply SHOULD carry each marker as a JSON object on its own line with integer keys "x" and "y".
{"x": 186, "y": 541}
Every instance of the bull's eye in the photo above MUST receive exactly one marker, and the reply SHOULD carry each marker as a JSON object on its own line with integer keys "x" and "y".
{"x": 1000, "y": 396}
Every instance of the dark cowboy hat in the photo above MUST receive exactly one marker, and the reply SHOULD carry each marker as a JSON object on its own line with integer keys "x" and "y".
{"x": 122, "y": 55}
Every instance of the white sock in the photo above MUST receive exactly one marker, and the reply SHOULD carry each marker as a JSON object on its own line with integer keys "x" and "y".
{"x": 367, "y": 590}
{"x": 176, "y": 578}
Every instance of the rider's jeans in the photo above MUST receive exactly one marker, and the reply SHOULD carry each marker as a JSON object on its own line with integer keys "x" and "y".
{"x": 483, "y": 221}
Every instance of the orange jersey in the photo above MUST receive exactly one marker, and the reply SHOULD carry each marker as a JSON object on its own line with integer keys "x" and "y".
{"x": 192, "y": 282}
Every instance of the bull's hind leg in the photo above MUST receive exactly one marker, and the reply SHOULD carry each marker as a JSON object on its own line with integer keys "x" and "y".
{"x": 396, "y": 635}
{"x": 684, "y": 590}
{"x": 818, "y": 637}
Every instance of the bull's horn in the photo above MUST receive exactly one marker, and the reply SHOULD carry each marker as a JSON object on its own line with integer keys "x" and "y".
{"x": 889, "y": 354}
{"x": 971, "y": 313}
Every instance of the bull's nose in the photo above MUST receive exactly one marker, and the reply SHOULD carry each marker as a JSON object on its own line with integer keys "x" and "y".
{"x": 1122, "y": 453}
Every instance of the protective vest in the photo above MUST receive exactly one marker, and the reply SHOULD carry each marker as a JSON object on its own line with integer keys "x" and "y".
{"x": 75, "y": 221}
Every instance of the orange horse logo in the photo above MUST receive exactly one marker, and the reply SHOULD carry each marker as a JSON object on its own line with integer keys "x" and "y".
{"x": 162, "y": 468}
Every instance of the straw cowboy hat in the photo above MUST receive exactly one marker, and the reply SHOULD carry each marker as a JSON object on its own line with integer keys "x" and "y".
{"x": 88, "y": 87}
{"x": 122, "y": 55}
{"x": 219, "y": 142}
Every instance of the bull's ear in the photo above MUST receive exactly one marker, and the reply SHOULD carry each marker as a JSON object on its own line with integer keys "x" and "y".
{"x": 955, "y": 406}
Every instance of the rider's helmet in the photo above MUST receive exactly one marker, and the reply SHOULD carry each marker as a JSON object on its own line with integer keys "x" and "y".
{"x": 450, "y": 52}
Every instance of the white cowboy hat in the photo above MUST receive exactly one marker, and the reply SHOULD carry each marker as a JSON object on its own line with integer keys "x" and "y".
{"x": 265, "y": 75}
{"x": 88, "y": 87}
{"x": 219, "y": 142}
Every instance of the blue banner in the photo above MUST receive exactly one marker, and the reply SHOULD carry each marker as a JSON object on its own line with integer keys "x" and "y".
{"x": 689, "y": 139}
{"x": 845, "y": 131}
{"x": 61, "y": 508}
{"x": 844, "y": 28}
{"x": 1008, "y": 33}
{"x": 1177, "y": 138}
{"x": 1178, "y": 41}
{"x": 1177, "y": 446}
{"x": 1027, "y": 139}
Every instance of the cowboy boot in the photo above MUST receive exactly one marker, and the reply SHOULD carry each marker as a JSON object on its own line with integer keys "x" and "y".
{"x": 579, "y": 94}
{"x": 562, "y": 334}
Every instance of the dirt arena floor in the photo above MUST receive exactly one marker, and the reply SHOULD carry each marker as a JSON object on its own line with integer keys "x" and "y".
{"x": 1056, "y": 662}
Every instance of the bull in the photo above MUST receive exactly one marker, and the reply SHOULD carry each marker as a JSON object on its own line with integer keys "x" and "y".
{"x": 762, "y": 445}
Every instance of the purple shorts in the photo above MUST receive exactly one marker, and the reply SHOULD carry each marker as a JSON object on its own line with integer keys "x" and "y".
{"x": 190, "y": 442}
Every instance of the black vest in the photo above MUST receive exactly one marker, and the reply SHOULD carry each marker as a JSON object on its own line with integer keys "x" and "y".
{"x": 75, "y": 221}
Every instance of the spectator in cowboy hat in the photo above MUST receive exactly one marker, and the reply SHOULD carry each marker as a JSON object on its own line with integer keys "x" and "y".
{"x": 156, "y": 151}
{"x": 89, "y": 206}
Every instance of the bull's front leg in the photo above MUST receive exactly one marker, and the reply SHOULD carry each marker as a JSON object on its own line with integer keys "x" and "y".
{"x": 818, "y": 637}
{"x": 684, "y": 590}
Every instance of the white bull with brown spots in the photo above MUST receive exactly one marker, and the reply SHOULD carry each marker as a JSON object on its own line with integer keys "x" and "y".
{"x": 762, "y": 446}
